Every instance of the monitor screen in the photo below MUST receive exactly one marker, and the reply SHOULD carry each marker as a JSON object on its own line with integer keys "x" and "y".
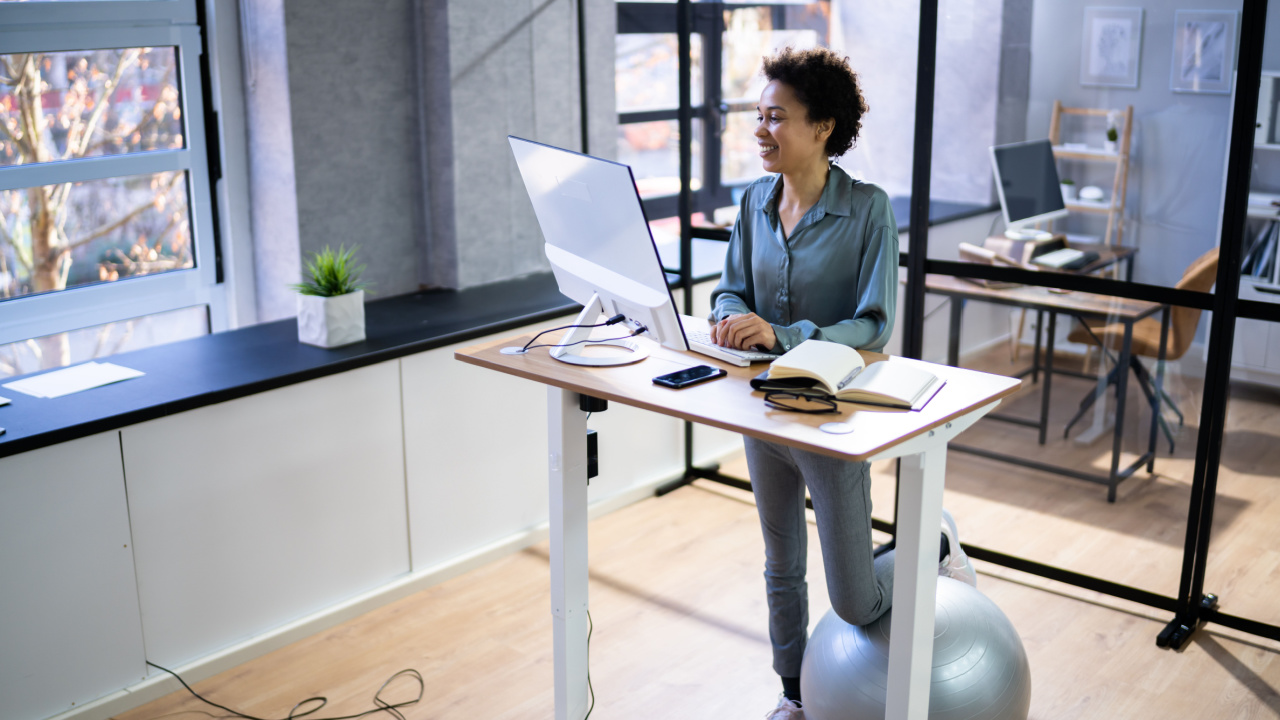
{"x": 597, "y": 237}
{"x": 1027, "y": 181}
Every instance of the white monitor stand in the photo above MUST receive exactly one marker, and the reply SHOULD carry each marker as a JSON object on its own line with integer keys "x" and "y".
{"x": 569, "y": 349}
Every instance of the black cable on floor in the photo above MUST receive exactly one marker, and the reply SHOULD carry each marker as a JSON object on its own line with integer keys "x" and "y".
{"x": 383, "y": 705}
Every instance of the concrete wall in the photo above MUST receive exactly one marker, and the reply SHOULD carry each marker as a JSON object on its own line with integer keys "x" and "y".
{"x": 353, "y": 91}
{"x": 383, "y": 124}
{"x": 514, "y": 71}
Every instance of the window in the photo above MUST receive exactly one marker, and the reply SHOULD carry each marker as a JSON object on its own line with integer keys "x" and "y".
{"x": 726, "y": 48}
{"x": 105, "y": 207}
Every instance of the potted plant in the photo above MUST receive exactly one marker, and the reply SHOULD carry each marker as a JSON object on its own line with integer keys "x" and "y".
{"x": 1068, "y": 189}
{"x": 331, "y": 299}
{"x": 1113, "y": 134}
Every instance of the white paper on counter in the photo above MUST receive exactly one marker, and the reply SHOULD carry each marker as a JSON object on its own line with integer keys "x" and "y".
{"x": 73, "y": 379}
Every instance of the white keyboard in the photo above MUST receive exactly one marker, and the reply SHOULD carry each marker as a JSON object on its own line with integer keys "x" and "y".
{"x": 700, "y": 341}
{"x": 1059, "y": 258}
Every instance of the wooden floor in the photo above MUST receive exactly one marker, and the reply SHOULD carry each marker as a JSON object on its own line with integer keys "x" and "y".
{"x": 677, "y": 596}
{"x": 1139, "y": 539}
{"x": 677, "y": 600}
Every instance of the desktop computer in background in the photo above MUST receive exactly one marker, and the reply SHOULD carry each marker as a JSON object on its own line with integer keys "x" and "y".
{"x": 1027, "y": 182}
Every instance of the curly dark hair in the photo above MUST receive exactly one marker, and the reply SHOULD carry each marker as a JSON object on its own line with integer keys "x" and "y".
{"x": 827, "y": 87}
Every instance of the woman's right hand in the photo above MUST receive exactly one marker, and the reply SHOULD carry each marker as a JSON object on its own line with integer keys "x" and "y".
{"x": 743, "y": 332}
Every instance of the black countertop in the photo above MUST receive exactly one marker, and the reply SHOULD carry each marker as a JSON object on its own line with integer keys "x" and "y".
{"x": 223, "y": 366}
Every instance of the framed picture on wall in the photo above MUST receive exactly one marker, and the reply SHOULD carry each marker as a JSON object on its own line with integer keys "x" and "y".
{"x": 1111, "y": 46}
{"x": 1204, "y": 51}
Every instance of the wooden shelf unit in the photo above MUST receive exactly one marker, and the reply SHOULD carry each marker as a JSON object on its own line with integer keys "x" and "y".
{"x": 1113, "y": 208}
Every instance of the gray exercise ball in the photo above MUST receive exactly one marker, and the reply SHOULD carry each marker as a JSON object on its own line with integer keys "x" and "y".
{"x": 980, "y": 669}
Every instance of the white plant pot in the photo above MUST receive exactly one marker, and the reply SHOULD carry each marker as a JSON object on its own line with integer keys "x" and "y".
{"x": 330, "y": 322}
{"x": 1111, "y": 146}
{"x": 1068, "y": 192}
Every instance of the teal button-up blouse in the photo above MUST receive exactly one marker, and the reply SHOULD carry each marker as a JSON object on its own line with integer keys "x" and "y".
{"x": 835, "y": 278}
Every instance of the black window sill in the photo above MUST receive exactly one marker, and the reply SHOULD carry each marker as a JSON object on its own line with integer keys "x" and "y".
{"x": 224, "y": 366}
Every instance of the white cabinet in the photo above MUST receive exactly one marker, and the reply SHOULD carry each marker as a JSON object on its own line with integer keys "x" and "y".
{"x": 1255, "y": 351}
{"x": 1253, "y": 337}
{"x": 69, "y": 626}
{"x": 476, "y": 454}
{"x": 252, "y": 513}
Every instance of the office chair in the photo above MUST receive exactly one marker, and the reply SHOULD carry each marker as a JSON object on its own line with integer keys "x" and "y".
{"x": 1199, "y": 276}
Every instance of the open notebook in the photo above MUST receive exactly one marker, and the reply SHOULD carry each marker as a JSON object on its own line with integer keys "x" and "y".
{"x": 839, "y": 371}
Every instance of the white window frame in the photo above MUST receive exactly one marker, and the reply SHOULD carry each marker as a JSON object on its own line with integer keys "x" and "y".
{"x": 70, "y": 26}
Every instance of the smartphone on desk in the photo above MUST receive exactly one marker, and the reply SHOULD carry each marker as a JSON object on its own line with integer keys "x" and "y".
{"x": 689, "y": 376}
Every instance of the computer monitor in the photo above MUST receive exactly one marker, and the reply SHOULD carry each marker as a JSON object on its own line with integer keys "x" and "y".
{"x": 1027, "y": 181}
{"x": 600, "y": 248}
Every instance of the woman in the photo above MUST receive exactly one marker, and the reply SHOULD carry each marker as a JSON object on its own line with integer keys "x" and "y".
{"x": 814, "y": 254}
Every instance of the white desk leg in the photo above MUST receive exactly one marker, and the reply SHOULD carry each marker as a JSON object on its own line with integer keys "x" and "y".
{"x": 915, "y": 582}
{"x": 567, "y": 462}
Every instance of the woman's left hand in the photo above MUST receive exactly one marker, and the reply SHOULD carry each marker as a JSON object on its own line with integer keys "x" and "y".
{"x": 743, "y": 332}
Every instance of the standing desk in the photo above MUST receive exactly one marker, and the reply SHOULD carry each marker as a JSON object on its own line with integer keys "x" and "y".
{"x": 919, "y": 438}
{"x": 1081, "y": 305}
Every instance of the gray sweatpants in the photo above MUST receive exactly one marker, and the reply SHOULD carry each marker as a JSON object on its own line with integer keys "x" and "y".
{"x": 860, "y": 586}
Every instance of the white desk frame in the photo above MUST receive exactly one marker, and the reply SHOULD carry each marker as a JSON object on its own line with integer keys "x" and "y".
{"x": 923, "y": 469}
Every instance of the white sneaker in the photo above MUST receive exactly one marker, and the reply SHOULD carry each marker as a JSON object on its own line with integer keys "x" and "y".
{"x": 956, "y": 564}
{"x": 786, "y": 710}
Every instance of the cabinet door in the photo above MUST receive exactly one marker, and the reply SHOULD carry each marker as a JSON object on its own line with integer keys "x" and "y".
{"x": 1273, "y": 346}
{"x": 69, "y": 628}
{"x": 255, "y": 512}
{"x": 1249, "y": 348}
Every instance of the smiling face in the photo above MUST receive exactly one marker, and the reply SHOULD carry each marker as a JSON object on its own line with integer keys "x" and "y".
{"x": 788, "y": 141}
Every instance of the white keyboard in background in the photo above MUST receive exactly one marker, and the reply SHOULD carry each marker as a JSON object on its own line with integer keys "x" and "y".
{"x": 700, "y": 341}
{"x": 1060, "y": 258}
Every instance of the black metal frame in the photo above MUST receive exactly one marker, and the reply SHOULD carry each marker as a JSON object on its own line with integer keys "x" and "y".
{"x": 1192, "y": 607}
{"x": 213, "y": 138}
{"x": 705, "y": 19}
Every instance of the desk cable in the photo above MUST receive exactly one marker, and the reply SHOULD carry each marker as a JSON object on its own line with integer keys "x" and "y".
{"x": 320, "y": 701}
{"x": 637, "y": 328}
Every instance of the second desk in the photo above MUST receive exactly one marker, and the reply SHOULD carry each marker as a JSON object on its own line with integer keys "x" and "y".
{"x": 1077, "y": 304}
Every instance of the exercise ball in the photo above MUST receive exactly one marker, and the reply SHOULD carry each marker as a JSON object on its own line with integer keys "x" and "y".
{"x": 980, "y": 669}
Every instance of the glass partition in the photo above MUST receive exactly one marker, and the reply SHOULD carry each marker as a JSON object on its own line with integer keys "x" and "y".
{"x": 1244, "y": 548}
{"x": 1242, "y": 559}
{"x": 1089, "y": 474}
{"x": 1080, "y": 472}
{"x": 1135, "y": 102}
{"x": 880, "y": 40}
{"x": 1049, "y": 477}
